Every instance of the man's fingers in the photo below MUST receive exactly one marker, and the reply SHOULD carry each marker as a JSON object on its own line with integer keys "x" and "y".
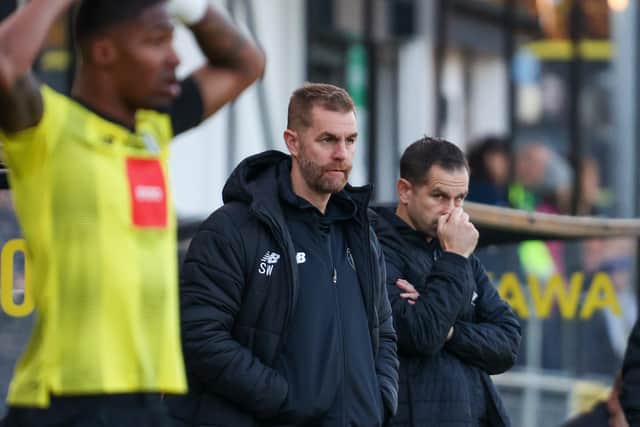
{"x": 403, "y": 284}
{"x": 474, "y": 229}
{"x": 442, "y": 225}
{"x": 412, "y": 295}
{"x": 455, "y": 215}
{"x": 442, "y": 220}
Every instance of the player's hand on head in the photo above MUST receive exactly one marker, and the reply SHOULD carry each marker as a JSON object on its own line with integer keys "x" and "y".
{"x": 188, "y": 12}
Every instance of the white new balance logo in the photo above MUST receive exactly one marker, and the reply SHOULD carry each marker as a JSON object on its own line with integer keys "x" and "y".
{"x": 268, "y": 262}
{"x": 474, "y": 298}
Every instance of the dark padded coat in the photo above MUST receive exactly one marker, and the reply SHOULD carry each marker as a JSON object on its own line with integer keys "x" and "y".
{"x": 441, "y": 381}
{"x": 234, "y": 315}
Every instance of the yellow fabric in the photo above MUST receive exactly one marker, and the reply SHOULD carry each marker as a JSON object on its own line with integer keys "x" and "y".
{"x": 105, "y": 289}
{"x": 587, "y": 394}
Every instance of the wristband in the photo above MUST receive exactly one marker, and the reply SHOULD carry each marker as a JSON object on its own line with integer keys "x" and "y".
{"x": 189, "y": 12}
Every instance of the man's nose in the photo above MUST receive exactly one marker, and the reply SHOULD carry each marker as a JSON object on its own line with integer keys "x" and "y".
{"x": 340, "y": 151}
{"x": 448, "y": 205}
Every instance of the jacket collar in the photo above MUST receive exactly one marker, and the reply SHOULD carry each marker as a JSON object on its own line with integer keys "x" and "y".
{"x": 255, "y": 181}
{"x": 404, "y": 230}
{"x": 339, "y": 208}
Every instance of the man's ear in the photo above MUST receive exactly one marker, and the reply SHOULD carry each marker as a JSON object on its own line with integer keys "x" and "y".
{"x": 404, "y": 189}
{"x": 103, "y": 51}
{"x": 292, "y": 141}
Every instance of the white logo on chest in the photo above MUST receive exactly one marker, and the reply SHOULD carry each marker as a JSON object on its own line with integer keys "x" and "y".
{"x": 268, "y": 262}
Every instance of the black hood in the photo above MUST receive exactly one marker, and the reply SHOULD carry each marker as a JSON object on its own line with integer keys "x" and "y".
{"x": 254, "y": 177}
{"x": 255, "y": 182}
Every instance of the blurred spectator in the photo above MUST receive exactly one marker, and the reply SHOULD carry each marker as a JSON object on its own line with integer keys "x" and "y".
{"x": 549, "y": 191}
{"x": 541, "y": 176}
{"x": 558, "y": 193}
{"x": 489, "y": 167}
{"x": 489, "y": 164}
{"x": 602, "y": 339}
{"x": 554, "y": 188}
{"x": 552, "y": 193}
{"x": 590, "y": 195}
{"x": 530, "y": 163}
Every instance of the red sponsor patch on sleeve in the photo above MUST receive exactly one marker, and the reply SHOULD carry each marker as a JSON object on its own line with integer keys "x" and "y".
{"x": 148, "y": 192}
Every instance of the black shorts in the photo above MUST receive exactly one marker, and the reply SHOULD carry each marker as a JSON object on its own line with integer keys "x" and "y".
{"x": 117, "y": 410}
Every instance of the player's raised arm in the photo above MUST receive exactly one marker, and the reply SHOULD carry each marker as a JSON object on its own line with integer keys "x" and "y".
{"x": 234, "y": 61}
{"x": 21, "y": 37}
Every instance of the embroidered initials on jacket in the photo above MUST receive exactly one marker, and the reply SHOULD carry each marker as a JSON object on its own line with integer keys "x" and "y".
{"x": 268, "y": 262}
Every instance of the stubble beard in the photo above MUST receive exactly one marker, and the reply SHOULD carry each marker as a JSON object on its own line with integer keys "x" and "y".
{"x": 430, "y": 229}
{"x": 315, "y": 177}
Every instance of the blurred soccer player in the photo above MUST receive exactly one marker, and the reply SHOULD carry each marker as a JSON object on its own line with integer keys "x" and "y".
{"x": 89, "y": 181}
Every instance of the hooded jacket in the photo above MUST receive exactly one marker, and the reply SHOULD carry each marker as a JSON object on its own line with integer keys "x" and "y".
{"x": 445, "y": 383}
{"x": 238, "y": 290}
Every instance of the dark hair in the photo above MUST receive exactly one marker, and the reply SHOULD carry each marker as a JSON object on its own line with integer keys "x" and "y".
{"x": 419, "y": 157}
{"x": 310, "y": 95}
{"x": 478, "y": 152}
{"x": 94, "y": 16}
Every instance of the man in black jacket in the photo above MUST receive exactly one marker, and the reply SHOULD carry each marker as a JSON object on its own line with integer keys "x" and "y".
{"x": 285, "y": 316}
{"x": 453, "y": 328}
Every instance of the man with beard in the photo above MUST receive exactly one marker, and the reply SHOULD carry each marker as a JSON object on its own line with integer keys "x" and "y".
{"x": 453, "y": 328}
{"x": 88, "y": 175}
{"x": 285, "y": 317}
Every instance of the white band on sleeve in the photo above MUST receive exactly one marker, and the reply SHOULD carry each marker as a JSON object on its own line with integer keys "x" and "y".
{"x": 188, "y": 12}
